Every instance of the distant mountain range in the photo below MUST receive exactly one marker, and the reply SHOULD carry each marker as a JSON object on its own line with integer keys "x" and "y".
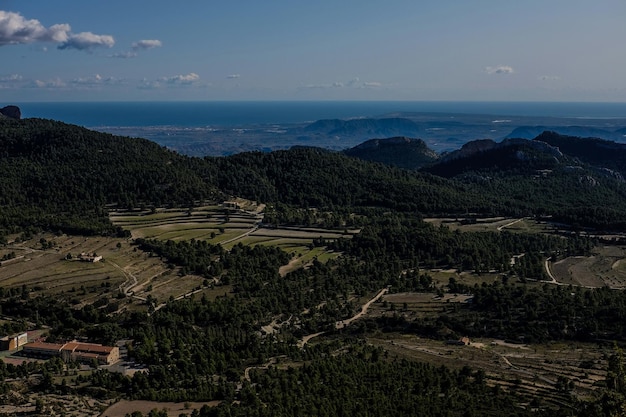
{"x": 384, "y": 127}
{"x": 548, "y": 147}
{"x": 442, "y": 132}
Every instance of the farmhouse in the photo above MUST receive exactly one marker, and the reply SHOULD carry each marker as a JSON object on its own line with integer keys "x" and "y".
{"x": 464, "y": 341}
{"x": 89, "y": 257}
{"x": 14, "y": 341}
{"x": 74, "y": 352}
{"x": 42, "y": 350}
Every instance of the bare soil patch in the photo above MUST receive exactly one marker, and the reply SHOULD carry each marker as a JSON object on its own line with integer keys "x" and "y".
{"x": 602, "y": 269}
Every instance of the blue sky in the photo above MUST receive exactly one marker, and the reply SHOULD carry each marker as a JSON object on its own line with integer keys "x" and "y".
{"x": 478, "y": 50}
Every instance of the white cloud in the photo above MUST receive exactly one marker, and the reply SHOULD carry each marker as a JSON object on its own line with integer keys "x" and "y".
{"x": 127, "y": 54}
{"x": 500, "y": 69}
{"x": 233, "y": 76}
{"x": 148, "y": 85}
{"x": 15, "y": 29}
{"x": 87, "y": 41}
{"x": 54, "y": 83}
{"x": 181, "y": 79}
{"x": 549, "y": 78}
{"x": 11, "y": 78}
{"x": 95, "y": 80}
{"x": 146, "y": 44}
{"x": 10, "y": 81}
{"x": 317, "y": 86}
{"x": 353, "y": 83}
{"x": 177, "y": 80}
{"x": 325, "y": 86}
{"x": 141, "y": 45}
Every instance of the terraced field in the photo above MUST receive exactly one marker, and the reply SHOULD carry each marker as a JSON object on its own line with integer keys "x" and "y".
{"x": 228, "y": 227}
{"x": 124, "y": 275}
{"x": 548, "y": 373}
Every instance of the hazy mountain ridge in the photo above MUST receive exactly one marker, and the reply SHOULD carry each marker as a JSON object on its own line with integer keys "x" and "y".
{"x": 530, "y": 132}
{"x": 388, "y": 127}
{"x": 445, "y": 132}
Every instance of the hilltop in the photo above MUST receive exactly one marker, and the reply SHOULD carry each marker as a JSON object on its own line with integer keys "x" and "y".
{"x": 402, "y": 152}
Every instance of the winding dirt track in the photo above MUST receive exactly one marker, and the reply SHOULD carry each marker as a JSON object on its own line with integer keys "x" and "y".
{"x": 343, "y": 323}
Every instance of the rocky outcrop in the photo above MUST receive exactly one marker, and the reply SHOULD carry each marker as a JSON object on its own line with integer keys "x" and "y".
{"x": 12, "y": 112}
{"x": 470, "y": 148}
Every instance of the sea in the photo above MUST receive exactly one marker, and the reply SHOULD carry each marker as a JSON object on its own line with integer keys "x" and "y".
{"x": 241, "y": 113}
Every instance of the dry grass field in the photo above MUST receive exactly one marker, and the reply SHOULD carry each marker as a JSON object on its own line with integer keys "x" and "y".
{"x": 525, "y": 225}
{"x": 123, "y": 269}
{"x": 606, "y": 267}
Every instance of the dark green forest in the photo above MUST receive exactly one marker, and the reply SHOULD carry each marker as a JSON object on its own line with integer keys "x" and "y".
{"x": 61, "y": 178}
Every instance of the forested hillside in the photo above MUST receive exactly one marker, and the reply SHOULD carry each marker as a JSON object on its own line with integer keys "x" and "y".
{"x": 242, "y": 336}
{"x": 62, "y": 177}
{"x": 71, "y": 172}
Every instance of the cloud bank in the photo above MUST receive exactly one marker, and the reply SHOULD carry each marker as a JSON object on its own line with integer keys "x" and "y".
{"x": 86, "y": 41}
{"x": 181, "y": 79}
{"x": 141, "y": 45}
{"x": 500, "y": 69}
{"x": 190, "y": 79}
{"x": 15, "y": 29}
{"x": 549, "y": 78}
{"x": 146, "y": 44}
{"x": 355, "y": 83}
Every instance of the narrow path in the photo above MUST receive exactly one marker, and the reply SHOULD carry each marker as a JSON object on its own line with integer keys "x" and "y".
{"x": 180, "y": 297}
{"x": 131, "y": 280}
{"x": 241, "y": 236}
{"x": 509, "y": 224}
{"x": 343, "y": 323}
{"x": 549, "y": 272}
{"x": 272, "y": 361}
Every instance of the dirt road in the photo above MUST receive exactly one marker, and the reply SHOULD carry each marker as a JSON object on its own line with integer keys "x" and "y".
{"x": 343, "y": 323}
